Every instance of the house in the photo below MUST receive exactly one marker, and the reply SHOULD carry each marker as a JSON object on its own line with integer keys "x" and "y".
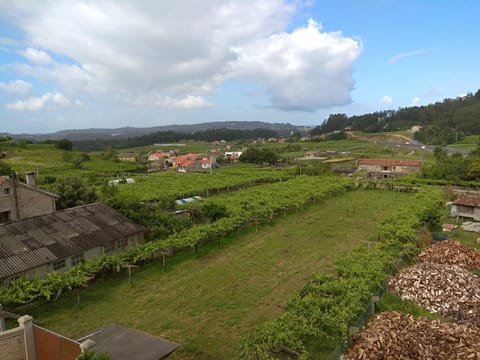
{"x": 466, "y": 205}
{"x": 20, "y": 200}
{"x": 131, "y": 157}
{"x": 156, "y": 155}
{"x": 194, "y": 162}
{"x": 388, "y": 168}
{"x": 60, "y": 240}
{"x": 415, "y": 128}
{"x": 233, "y": 155}
{"x": 156, "y": 160}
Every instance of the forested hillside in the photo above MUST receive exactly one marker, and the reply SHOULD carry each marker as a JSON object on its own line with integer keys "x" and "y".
{"x": 442, "y": 123}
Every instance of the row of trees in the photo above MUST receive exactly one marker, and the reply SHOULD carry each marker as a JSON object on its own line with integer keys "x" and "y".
{"x": 171, "y": 136}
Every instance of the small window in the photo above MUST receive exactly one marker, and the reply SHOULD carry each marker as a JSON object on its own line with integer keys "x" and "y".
{"x": 109, "y": 247}
{"x": 385, "y": 168}
{"x": 77, "y": 259}
{"x": 6, "y": 191}
{"x": 122, "y": 243}
{"x": 60, "y": 264}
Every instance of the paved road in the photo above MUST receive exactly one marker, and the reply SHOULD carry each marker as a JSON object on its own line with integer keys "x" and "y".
{"x": 419, "y": 146}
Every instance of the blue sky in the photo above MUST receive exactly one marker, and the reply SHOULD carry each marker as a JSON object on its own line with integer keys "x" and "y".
{"x": 81, "y": 64}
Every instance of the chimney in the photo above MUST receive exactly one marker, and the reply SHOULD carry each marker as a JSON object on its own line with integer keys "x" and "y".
{"x": 30, "y": 178}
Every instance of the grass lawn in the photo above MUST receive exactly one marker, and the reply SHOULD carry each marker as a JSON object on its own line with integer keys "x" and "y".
{"x": 207, "y": 302}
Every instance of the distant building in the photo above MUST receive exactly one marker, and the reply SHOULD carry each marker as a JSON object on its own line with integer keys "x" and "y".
{"x": 156, "y": 160}
{"x": 194, "y": 162}
{"x": 415, "y": 128}
{"x": 388, "y": 168}
{"x": 233, "y": 155}
{"x": 60, "y": 240}
{"x": 131, "y": 157}
{"x": 20, "y": 200}
{"x": 467, "y": 206}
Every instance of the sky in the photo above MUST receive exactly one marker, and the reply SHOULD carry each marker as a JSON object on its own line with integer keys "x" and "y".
{"x": 76, "y": 64}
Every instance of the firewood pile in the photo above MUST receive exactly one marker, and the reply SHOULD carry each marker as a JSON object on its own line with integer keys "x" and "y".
{"x": 393, "y": 335}
{"x": 452, "y": 252}
{"x": 447, "y": 289}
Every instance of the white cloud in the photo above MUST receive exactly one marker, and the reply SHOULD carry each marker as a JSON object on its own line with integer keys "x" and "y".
{"x": 415, "y": 101}
{"x": 37, "y": 56}
{"x": 386, "y": 101}
{"x": 37, "y": 103}
{"x": 17, "y": 88}
{"x": 396, "y": 58}
{"x": 303, "y": 70}
{"x": 166, "y": 102}
{"x": 178, "y": 52}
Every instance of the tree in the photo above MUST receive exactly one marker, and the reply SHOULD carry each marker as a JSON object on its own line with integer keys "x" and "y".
{"x": 73, "y": 192}
{"x": 64, "y": 144}
{"x": 5, "y": 169}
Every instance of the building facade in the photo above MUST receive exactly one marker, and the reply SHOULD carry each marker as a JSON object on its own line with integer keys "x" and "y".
{"x": 387, "y": 168}
{"x": 21, "y": 201}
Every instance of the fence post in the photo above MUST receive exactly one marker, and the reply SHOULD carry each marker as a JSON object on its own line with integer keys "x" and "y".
{"x": 2, "y": 320}
{"x": 26, "y": 322}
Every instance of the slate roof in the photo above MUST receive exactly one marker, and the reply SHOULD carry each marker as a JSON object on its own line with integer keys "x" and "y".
{"x": 128, "y": 344}
{"x": 390, "y": 162}
{"x": 467, "y": 200}
{"x": 33, "y": 242}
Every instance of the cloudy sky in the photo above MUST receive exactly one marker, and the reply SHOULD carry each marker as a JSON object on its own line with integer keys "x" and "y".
{"x": 81, "y": 64}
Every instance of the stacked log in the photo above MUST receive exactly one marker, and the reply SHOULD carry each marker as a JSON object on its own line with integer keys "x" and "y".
{"x": 446, "y": 289}
{"x": 452, "y": 252}
{"x": 393, "y": 335}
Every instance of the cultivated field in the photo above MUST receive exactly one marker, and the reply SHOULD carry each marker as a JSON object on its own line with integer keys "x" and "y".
{"x": 207, "y": 302}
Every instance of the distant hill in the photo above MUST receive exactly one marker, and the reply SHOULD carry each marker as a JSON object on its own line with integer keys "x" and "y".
{"x": 129, "y": 132}
{"x": 443, "y": 122}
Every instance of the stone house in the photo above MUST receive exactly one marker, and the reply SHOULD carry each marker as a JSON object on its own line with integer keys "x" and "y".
{"x": 466, "y": 206}
{"x": 20, "y": 200}
{"x": 388, "y": 168}
{"x": 131, "y": 157}
{"x": 60, "y": 240}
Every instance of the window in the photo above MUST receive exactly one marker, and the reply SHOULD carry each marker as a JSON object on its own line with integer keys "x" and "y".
{"x": 6, "y": 191}
{"x": 385, "y": 168}
{"x": 109, "y": 247}
{"x": 122, "y": 243}
{"x": 4, "y": 216}
{"x": 77, "y": 259}
{"x": 60, "y": 264}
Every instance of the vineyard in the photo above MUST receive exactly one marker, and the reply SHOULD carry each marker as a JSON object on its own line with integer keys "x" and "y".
{"x": 165, "y": 187}
{"x": 322, "y": 314}
{"x": 256, "y": 203}
{"x": 208, "y": 301}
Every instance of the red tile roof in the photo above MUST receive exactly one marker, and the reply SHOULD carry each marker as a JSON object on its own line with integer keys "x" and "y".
{"x": 390, "y": 162}
{"x": 467, "y": 200}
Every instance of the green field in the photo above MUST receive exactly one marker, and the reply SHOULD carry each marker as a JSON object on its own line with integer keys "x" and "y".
{"x": 208, "y": 301}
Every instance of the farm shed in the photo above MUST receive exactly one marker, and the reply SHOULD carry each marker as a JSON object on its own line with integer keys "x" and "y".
{"x": 467, "y": 206}
{"x": 58, "y": 241}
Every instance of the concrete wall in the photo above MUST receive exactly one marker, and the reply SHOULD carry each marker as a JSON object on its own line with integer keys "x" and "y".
{"x": 12, "y": 344}
{"x": 24, "y": 202}
{"x": 33, "y": 203}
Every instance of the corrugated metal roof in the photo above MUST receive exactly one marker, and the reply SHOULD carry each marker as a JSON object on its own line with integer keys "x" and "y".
{"x": 25, "y": 261}
{"x": 29, "y": 243}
